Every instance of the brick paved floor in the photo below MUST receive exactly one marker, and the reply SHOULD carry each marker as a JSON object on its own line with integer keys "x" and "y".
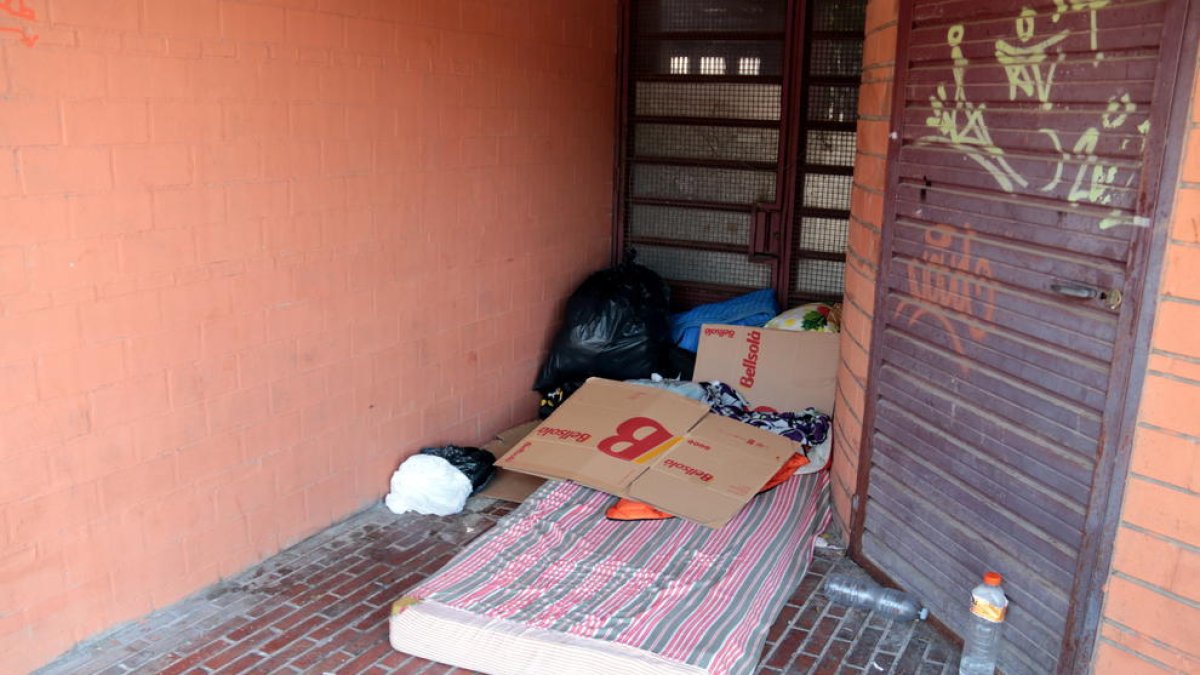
{"x": 322, "y": 606}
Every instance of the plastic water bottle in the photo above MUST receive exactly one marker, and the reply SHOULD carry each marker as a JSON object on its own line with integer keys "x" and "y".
{"x": 866, "y": 594}
{"x": 982, "y": 640}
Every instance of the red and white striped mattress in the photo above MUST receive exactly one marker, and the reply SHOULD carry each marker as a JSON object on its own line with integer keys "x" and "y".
{"x": 555, "y": 587}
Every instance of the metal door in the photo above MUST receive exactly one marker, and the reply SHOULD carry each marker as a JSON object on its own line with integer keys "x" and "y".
{"x": 825, "y": 132}
{"x": 715, "y": 116}
{"x": 1021, "y": 184}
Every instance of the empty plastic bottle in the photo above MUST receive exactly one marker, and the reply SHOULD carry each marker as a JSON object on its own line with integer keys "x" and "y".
{"x": 866, "y": 594}
{"x": 982, "y": 640}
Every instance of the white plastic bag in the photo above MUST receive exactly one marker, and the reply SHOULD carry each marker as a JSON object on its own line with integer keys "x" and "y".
{"x": 428, "y": 485}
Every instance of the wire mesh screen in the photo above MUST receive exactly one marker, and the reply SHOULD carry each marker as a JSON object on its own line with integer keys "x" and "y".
{"x": 706, "y": 267}
{"x": 663, "y": 16}
{"x": 819, "y": 240}
{"x": 684, "y": 224}
{"x": 832, "y": 103}
{"x": 848, "y": 16}
{"x": 827, "y": 235}
{"x": 679, "y": 164}
{"x": 818, "y": 278}
{"x": 841, "y": 58}
{"x": 708, "y": 57}
{"x": 722, "y": 100}
{"x": 695, "y": 183}
{"x": 824, "y": 191}
{"x": 706, "y": 142}
{"x": 830, "y": 148}
{"x": 695, "y": 143}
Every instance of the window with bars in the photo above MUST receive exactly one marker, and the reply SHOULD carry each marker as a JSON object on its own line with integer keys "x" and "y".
{"x": 830, "y": 77}
{"x": 707, "y": 143}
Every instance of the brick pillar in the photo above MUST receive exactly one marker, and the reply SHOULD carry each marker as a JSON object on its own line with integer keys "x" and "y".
{"x": 1152, "y": 609}
{"x": 866, "y": 222}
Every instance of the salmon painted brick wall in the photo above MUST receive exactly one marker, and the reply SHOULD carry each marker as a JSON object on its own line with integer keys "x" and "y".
{"x": 862, "y": 254}
{"x": 1152, "y": 608}
{"x": 255, "y": 252}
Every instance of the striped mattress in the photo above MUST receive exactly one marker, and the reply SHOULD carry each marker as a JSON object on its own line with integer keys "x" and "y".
{"x": 556, "y": 588}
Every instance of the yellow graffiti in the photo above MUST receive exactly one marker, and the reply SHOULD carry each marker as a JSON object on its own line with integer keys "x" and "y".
{"x": 1094, "y": 178}
{"x": 1061, "y": 7}
{"x": 1025, "y": 63}
{"x": 960, "y": 286}
{"x": 1115, "y": 218}
{"x": 1118, "y": 111}
{"x": 1030, "y": 64}
{"x": 963, "y": 126}
{"x": 954, "y": 38}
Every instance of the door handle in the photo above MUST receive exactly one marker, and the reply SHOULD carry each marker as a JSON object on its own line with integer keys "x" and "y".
{"x": 1076, "y": 291}
{"x": 1111, "y": 297}
{"x": 766, "y": 234}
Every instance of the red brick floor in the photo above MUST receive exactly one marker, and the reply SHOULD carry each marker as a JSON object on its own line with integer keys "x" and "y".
{"x": 322, "y": 606}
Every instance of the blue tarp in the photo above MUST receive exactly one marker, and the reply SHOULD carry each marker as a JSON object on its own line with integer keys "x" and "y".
{"x": 751, "y": 309}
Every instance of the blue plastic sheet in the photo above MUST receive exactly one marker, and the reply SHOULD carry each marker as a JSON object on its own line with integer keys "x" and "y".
{"x": 751, "y": 309}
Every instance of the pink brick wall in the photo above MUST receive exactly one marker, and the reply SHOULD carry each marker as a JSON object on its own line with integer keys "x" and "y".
{"x": 1152, "y": 611}
{"x": 862, "y": 254}
{"x": 254, "y": 252}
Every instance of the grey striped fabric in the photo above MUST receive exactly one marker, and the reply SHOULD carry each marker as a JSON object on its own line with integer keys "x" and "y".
{"x": 674, "y": 589}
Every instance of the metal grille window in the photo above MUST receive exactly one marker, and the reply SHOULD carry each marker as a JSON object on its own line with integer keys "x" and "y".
{"x": 729, "y": 185}
{"x": 829, "y": 102}
{"x": 749, "y": 65}
{"x": 712, "y": 65}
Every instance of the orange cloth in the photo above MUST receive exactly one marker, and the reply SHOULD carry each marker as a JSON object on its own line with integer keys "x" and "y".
{"x": 628, "y": 509}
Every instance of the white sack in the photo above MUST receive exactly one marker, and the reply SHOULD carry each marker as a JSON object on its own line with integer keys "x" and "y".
{"x": 428, "y": 485}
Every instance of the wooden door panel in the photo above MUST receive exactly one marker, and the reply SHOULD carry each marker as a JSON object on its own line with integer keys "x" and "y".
{"x": 1016, "y": 210}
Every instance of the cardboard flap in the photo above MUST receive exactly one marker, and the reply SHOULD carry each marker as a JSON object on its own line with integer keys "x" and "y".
{"x": 727, "y": 456}
{"x": 654, "y": 446}
{"x": 784, "y": 370}
{"x": 581, "y": 464}
{"x": 680, "y": 497}
{"x": 510, "y": 486}
{"x": 674, "y": 412}
{"x": 506, "y": 440}
{"x": 606, "y": 434}
{"x": 710, "y": 473}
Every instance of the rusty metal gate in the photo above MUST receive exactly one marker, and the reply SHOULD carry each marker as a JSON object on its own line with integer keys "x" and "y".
{"x": 738, "y": 133}
{"x": 1023, "y": 175}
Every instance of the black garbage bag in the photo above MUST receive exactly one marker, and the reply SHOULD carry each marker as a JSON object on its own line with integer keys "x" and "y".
{"x": 679, "y": 364}
{"x": 475, "y": 463}
{"x": 555, "y": 397}
{"x": 617, "y": 326}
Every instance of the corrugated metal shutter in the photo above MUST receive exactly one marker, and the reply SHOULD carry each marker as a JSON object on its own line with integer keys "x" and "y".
{"x": 1014, "y": 212}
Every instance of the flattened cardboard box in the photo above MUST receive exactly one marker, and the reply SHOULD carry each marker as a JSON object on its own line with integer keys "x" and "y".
{"x": 654, "y": 446}
{"x": 780, "y": 369}
{"x": 510, "y": 486}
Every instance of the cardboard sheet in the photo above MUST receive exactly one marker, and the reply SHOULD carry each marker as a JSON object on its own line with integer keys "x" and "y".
{"x": 654, "y": 446}
{"x": 780, "y": 369}
{"x": 510, "y": 486}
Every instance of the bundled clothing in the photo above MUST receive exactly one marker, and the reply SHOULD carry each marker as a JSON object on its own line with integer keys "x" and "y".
{"x": 809, "y": 427}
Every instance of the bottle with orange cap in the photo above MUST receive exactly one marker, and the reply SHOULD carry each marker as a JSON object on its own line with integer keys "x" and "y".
{"x": 982, "y": 639}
